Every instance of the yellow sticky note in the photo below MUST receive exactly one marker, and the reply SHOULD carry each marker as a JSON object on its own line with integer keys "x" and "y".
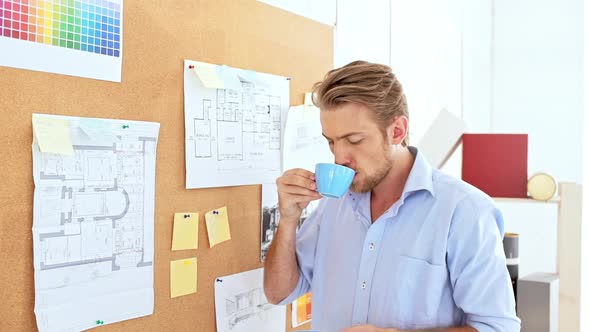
{"x": 217, "y": 226}
{"x": 208, "y": 75}
{"x": 53, "y": 135}
{"x": 183, "y": 277}
{"x": 185, "y": 234}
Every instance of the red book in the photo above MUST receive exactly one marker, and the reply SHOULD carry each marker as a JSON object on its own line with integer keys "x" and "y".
{"x": 497, "y": 164}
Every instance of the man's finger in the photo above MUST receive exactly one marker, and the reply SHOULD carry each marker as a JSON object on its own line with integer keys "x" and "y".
{"x": 298, "y": 180}
{"x": 301, "y": 172}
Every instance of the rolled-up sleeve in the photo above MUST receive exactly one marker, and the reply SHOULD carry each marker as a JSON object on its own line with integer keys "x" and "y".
{"x": 306, "y": 244}
{"x": 477, "y": 266}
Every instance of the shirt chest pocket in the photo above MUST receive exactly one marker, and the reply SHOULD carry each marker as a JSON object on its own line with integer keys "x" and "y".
{"x": 421, "y": 289}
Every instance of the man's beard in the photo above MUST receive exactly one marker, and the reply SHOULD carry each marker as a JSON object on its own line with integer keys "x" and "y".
{"x": 372, "y": 180}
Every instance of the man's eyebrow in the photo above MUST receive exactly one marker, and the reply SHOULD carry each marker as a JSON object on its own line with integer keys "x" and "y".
{"x": 343, "y": 136}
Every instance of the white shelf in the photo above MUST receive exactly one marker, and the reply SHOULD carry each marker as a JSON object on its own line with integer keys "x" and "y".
{"x": 554, "y": 200}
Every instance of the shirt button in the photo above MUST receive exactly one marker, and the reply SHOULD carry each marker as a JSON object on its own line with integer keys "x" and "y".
{"x": 371, "y": 246}
{"x": 364, "y": 285}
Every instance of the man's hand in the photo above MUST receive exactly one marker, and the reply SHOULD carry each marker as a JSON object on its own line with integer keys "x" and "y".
{"x": 371, "y": 328}
{"x": 368, "y": 328}
{"x": 296, "y": 189}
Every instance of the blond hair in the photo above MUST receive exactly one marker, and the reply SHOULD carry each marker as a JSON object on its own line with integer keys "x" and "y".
{"x": 370, "y": 84}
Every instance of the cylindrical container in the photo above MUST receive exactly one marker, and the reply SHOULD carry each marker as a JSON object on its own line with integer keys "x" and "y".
{"x": 511, "y": 252}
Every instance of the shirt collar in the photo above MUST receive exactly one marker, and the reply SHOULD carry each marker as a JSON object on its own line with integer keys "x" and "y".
{"x": 420, "y": 177}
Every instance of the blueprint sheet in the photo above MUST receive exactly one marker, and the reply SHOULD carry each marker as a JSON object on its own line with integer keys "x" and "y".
{"x": 241, "y": 306}
{"x": 305, "y": 146}
{"x": 93, "y": 227}
{"x": 234, "y": 129}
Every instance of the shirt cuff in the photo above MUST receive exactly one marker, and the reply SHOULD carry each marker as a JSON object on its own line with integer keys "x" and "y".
{"x": 301, "y": 289}
{"x": 497, "y": 324}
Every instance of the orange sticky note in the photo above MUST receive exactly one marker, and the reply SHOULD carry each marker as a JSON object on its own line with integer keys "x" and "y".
{"x": 217, "y": 226}
{"x": 183, "y": 277}
{"x": 185, "y": 234}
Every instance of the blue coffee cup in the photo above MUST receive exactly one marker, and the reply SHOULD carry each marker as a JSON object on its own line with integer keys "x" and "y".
{"x": 333, "y": 180}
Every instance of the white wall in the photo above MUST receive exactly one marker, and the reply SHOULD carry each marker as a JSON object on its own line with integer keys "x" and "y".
{"x": 537, "y": 225}
{"x": 362, "y": 32}
{"x": 585, "y": 268}
{"x": 477, "y": 59}
{"x": 426, "y": 57}
{"x": 537, "y": 81}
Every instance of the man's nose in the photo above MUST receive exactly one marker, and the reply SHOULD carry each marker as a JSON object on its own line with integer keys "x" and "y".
{"x": 341, "y": 155}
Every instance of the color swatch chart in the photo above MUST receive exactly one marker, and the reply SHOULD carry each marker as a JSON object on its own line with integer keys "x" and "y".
{"x": 87, "y": 25}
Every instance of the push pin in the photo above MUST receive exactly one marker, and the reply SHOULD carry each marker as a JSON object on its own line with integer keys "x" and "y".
{"x": 125, "y": 126}
{"x": 191, "y": 67}
{"x": 99, "y": 322}
{"x": 219, "y": 280}
{"x": 187, "y": 216}
{"x": 215, "y": 212}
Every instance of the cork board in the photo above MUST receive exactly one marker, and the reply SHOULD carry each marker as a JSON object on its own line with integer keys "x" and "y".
{"x": 158, "y": 36}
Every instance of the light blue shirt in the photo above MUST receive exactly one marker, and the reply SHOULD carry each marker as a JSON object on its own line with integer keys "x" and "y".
{"x": 433, "y": 259}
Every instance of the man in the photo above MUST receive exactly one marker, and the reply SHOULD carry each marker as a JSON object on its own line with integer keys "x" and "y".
{"x": 408, "y": 248}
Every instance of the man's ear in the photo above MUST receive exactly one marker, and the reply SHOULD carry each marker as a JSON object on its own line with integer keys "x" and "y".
{"x": 397, "y": 130}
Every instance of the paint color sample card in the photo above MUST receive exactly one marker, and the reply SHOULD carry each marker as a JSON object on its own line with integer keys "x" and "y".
{"x": 183, "y": 277}
{"x": 72, "y": 37}
{"x": 301, "y": 310}
{"x": 186, "y": 231}
{"x": 217, "y": 226}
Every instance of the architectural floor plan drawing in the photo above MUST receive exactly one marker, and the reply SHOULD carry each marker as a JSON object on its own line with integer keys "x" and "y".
{"x": 240, "y": 304}
{"x": 233, "y": 135}
{"x": 250, "y": 304}
{"x": 93, "y": 226}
